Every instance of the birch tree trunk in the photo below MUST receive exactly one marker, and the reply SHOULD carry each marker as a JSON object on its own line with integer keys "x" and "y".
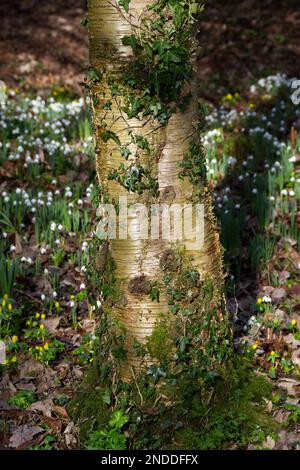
{"x": 148, "y": 148}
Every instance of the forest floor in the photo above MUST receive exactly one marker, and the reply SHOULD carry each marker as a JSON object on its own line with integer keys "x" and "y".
{"x": 47, "y": 182}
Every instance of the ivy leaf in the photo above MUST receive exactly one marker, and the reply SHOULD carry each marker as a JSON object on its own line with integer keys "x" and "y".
{"x": 125, "y": 4}
{"x": 94, "y": 75}
{"x": 142, "y": 142}
{"x": 125, "y": 152}
{"x": 109, "y": 135}
{"x": 132, "y": 42}
{"x": 84, "y": 22}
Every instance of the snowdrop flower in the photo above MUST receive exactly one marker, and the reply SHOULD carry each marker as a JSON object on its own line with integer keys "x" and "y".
{"x": 292, "y": 159}
{"x": 80, "y": 202}
{"x": 82, "y": 286}
{"x": 71, "y": 303}
{"x": 98, "y": 303}
{"x": 83, "y": 269}
{"x": 46, "y": 271}
{"x": 60, "y": 227}
{"x": 284, "y": 192}
{"x": 12, "y": 248}
{"x": 43, "y": 251}
{"x": 53, "y": 226}
{"x": 4, "y": 234}
{"x": 267, "y": 299}
{"x": 57, "y": 241}
{"x": 272, "y": 198}
{"x": 23, "y": 259}
{"x": 84, "y": 246}
{"x": 291, "y": 193}
{"x": 254, "y": 191}
{"x": 54, "y": 294}
{"x": 43, "y": 297}
{"x": 237, "y": 206}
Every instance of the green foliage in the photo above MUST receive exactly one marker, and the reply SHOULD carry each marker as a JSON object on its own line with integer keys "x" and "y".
{"x": 9, "y": 269}
{"x": 23, "y": 399}
{"x": 111, "y": 438}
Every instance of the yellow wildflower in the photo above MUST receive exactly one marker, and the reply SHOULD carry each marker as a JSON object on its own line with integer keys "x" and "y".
{"x": 37, "y": 315}
{"x": 272, "y": 353}
{"x": 5, "y": 296}
{"x": 46, "y": 346}
{"x": 254, "y": 346}
{"x": 56, "y": 305}
{"x": 3, "y": 303}
{"x": 14, "y": 359}
{"x": 43, "y": 316}
{"x": 294, "y": 322}
{"x": 10, "y": 307}
{"x": 42, "y": 326}
{"x": 14, "y": 339}
{"x": 259, "y": 300}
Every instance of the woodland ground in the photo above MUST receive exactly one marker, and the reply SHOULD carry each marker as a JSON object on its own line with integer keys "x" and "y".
{"x": 47, "y": 182}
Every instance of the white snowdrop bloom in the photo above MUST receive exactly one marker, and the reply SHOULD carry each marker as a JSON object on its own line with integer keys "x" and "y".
{"x": 272, "y": 198}
{"x": 83, "y": 269}
{"x": 53, "y": 226}
{"x": 43, "y": 297}
{"x": 284, "y": 192}
{"x": 54, "y": 181}
{"x": 4, "y": 234}
{"x": 60, "y": 227}
{"x": 225, "y": 198}
{"x": 267, "y": 299}
{"x": 292, "y": 159}
{"x": 29, "y": 260}
{"x": 254, "y": 191}
{"x": 227, "y": 189}
{"x": 220, "y": 206}
{"x": 240, "y": 177}
{"x": 68, "y": 193}
{"x": 43, "y": 251}
{"x": 291, "y": 193}
{"x": 33, "y": 210}
{"x": 18, "y": 191}
{"x": 237, "y": 206}
{"x": 82, "y": 286}
{"x": 98, "y": 303}
{"x": 57, "y": 192}
{"x": 6, "y": 199}
{"x": 70, "y": 204}
{"x": 71, "y": 303}
{"x": 84, "y": 246}
{"x": 232, "y": 160}
{"x": 250, "y": 157}
{"x": 57, "y": 242}
{"x": 12, "y": 248}
{"x": 277, "y": 164}
{"x": 93, "y": 308}
{"x": 226, "y": 212}
{"x": 54, "y": 294}
{"x": 23, "y": 259}
{"x": 80, "y": 202}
